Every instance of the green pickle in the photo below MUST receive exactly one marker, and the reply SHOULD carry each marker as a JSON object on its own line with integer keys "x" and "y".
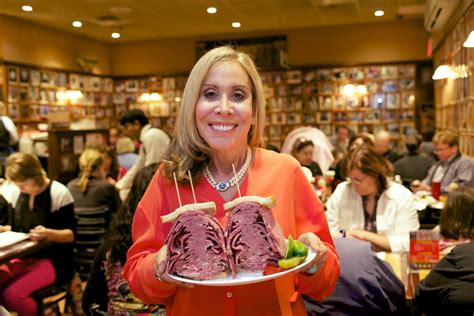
{"x": 295, "y": 254}
{"x": 290, "y": 263}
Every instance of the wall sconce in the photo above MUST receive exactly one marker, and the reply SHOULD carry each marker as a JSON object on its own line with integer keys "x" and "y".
{"x": 470, "y": 40}
{"x": 350, "y": 89}
{"x": 150, "y": 97}
{"x": 443, "y": 72}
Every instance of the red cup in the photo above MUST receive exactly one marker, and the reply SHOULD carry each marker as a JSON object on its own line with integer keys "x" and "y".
{"x": 436, "y": 189}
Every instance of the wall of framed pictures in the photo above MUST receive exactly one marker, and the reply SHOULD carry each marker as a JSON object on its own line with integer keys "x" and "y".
{"x": 454, "y": 97}
{"x": 31, "y": 93}
{"x": 162, "y": 109}
{"x": 383, "y": 97}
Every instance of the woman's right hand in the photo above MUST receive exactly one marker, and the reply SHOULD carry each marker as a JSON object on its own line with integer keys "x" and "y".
{"x": 161, "y": 258}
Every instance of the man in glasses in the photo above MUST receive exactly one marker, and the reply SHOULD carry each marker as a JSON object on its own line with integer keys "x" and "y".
{"x": 451, "y": 167}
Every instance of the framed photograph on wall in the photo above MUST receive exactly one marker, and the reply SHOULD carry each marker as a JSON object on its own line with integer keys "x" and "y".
{"x": 389, "y": 72}
{"x": 294, "y": 118}
{"x": 356, "y": 74}
{"x": 74, "y": 81}
{"x": 309, "y": 119}
{"x": 324, "y": 74}
{"x": 407, "y": 84}
{"x": 12, "y": 94}
{"x": 339, "y": 74}
{"x": 390, "y": 86}
{"x": 24, "y": 76}
{"x": 325, "y": 103}
{"x": 12, "y": 74}
{"x": 294, "y": 76}
{"x": 278, "y": 118}
{"x": 275, "y": 132}
{"x": 44, "y": 75}
{"x": 407, "y": 71}
{"x": 326, "y": 129}
{"x": 131, "y": 85}
{"x": 13, "y": 111}
{"x": 408, "y": 100}
{"x": 393, "y": 101}
{"x": 372, "y": 72}
{"x": 324, "y": 117}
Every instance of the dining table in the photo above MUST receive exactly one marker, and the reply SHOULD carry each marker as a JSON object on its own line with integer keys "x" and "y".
{"x": 22, "y": 249}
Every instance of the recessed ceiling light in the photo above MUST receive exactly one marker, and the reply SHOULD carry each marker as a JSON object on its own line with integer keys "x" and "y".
{"x": 77, "y": 24}
{"x": 379, "y": 13}
{"x": 236, "y": 24}
{"x": 115, "y": 35}
{"x": 211, "y": 10}
{"x": 27, "y": 8}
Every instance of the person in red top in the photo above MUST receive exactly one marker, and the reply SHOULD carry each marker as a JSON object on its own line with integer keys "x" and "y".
{"x": 220, "y": 124}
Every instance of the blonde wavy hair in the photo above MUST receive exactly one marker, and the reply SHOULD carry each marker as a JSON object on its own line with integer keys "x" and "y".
{"x": 90, "y": 160}
{"x": 188, "y": 150}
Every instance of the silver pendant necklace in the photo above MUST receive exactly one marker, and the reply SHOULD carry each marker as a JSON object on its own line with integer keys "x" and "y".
{"x": 222, "y": 185}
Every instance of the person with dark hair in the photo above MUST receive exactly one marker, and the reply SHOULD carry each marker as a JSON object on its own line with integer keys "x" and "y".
{"x": 449, "y": 287}
{"x": 303, "y": 152}
{"x": 371, "y": 207}
{"x": 355, "y": 141}
{"x": 413, "y": 166}
{"x": 107, "y": 292}
{"x": 219, "y": 127}
{"x": 44, "y": 209}
{"x": 451, "y": 167}
{"x": 154, "y": 143}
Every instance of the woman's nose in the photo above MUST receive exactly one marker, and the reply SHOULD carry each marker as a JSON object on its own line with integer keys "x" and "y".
{"x": 225, "y": 106}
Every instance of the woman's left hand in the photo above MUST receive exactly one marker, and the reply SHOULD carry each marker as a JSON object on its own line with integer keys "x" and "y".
{"x": 356, "y": 234}
{"x": 313, "y": 241}
{"x": 38, "y": 233}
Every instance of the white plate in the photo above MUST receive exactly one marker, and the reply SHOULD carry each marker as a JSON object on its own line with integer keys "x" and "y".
{"x": 9, "y": 238}
{"x": 246, "y": 277}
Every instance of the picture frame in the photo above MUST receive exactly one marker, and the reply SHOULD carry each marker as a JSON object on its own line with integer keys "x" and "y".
{"x": 408, "y": 100}
{"x": 297, "y": 103}
{"x": 378, "y": 101}
{"x": 44, "y": 110}
{"x": 356, "y": 74}
{"x": 393, "y": 129}
{"x": 355, "y": 116}
{"x": 365, "y": 102}
{"x": 44, "y": 75}
{"x": 275, "y": 132}
{"x": 53, "y": 79}
{"x": 407, "y": 115}
{"x": 407, "y": 84}
{"x": 266, "y": 78}
{"x": 392, "y": 101}
{"x": 294, "y": 118}
{"x": 389, "y": 72}
{"x": 373, "y": 87}
{"x": 24, "y": 76}
{"x": 406, "y": 127}
{"x": 62, "y": 80}
{"x": 287, "y": 104}
{"x": 352, "y": 102}
{"x": 310, "y": 75}
{"x": 309, "y": 118}
{"x": 277, "y": 77}
{"x": 324, "y": 74}
{"x": 390, "y": 116}
{"x": 282, "y": 91}
{"x": 34, "y": 112}
{"x": 407, "y": 71}
{"x": 326, "y": 87}
{"x": 294, "y": 76}
{"x": 12, "y": 94}
{"x": 326, "y": 129}
{"x": 25, "y": 94}
{"x": 74, "y": 81}
{"x": 339, "y": 103}
{"x": 325, "y": 103}
{"x": 13, "y": 111}
{"x": 339, "y": 74}
{"x": 131, "y": 85}
{"x": 278, "y": 118}
{"x": 340, "y": 116}
{"x": 276, "y": 104}
{"x": 313, "y": 103}
{"x": 12, "y": 74}
{"x": 324, "y": 117}
{"x": 390, "y": 85}
{"x": 372, "y": 72}
{"x": 371, "y": 117}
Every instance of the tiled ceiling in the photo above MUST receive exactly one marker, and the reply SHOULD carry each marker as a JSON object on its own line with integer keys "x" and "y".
{"x": 155, "y": 19}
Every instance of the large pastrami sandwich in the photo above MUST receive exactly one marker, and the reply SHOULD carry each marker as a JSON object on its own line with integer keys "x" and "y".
{"x": 196, "y": 243}
{"x": 252, "y": 235}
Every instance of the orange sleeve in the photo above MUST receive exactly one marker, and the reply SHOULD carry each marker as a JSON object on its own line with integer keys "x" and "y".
{"x": 148, "y": 238}
{"x": 310, "y": 217}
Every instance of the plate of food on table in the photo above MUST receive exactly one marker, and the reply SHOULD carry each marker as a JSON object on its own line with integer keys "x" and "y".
{"x": 250, "y": 249}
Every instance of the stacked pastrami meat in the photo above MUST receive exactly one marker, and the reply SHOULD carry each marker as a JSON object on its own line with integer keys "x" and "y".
{"x": 199, "y": 250}
{"x": 252, "y": 235}
{"x": 196, "y": 244}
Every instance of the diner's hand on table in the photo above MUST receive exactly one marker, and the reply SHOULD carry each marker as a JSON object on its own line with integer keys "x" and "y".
{"x": 160, "y": 268}
{"x": 38, "y": 233}
{"x": 5, "y": 228}
{"x": 417, "y": 185}
{"x": 313, "y": 241}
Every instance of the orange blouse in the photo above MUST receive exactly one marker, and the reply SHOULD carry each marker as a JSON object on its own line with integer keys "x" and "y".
{"x": 298, "y": 210}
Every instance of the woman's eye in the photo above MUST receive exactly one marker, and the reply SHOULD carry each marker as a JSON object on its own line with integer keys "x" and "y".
{"x": 210, "y": 94}
{"x": 238, "y": 96}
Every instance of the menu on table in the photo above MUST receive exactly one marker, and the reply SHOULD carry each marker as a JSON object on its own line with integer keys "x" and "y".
{"x": 424, "y": 249}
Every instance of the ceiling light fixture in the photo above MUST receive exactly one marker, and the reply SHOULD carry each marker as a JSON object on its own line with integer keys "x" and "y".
{"x": 236, "y": 25}
{"x": 211, "y": 10}
{"x": 115, "y": 35}
{"x": 27, "y": 8}
{"x": 470, "y": 40}
{"x": 379, "y": 13}
{"x": 77, "y": 24}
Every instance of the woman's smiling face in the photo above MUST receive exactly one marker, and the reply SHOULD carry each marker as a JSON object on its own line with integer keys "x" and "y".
{"x": 224, "y": 107}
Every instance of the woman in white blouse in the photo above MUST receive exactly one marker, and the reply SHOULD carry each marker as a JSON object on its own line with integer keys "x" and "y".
{"x": 371, "y": 207}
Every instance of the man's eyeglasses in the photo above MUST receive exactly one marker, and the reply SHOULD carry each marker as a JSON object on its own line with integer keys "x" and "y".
{"x": 439, "y": 149}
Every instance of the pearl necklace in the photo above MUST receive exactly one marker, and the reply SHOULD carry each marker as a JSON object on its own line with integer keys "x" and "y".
{"x": 223, "y": 186}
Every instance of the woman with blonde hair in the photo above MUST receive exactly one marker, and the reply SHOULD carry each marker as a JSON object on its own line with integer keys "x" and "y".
{"x": 91, "y": 189}
{"x": 44, "y": 209}
{"x": 219, "y": 126}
